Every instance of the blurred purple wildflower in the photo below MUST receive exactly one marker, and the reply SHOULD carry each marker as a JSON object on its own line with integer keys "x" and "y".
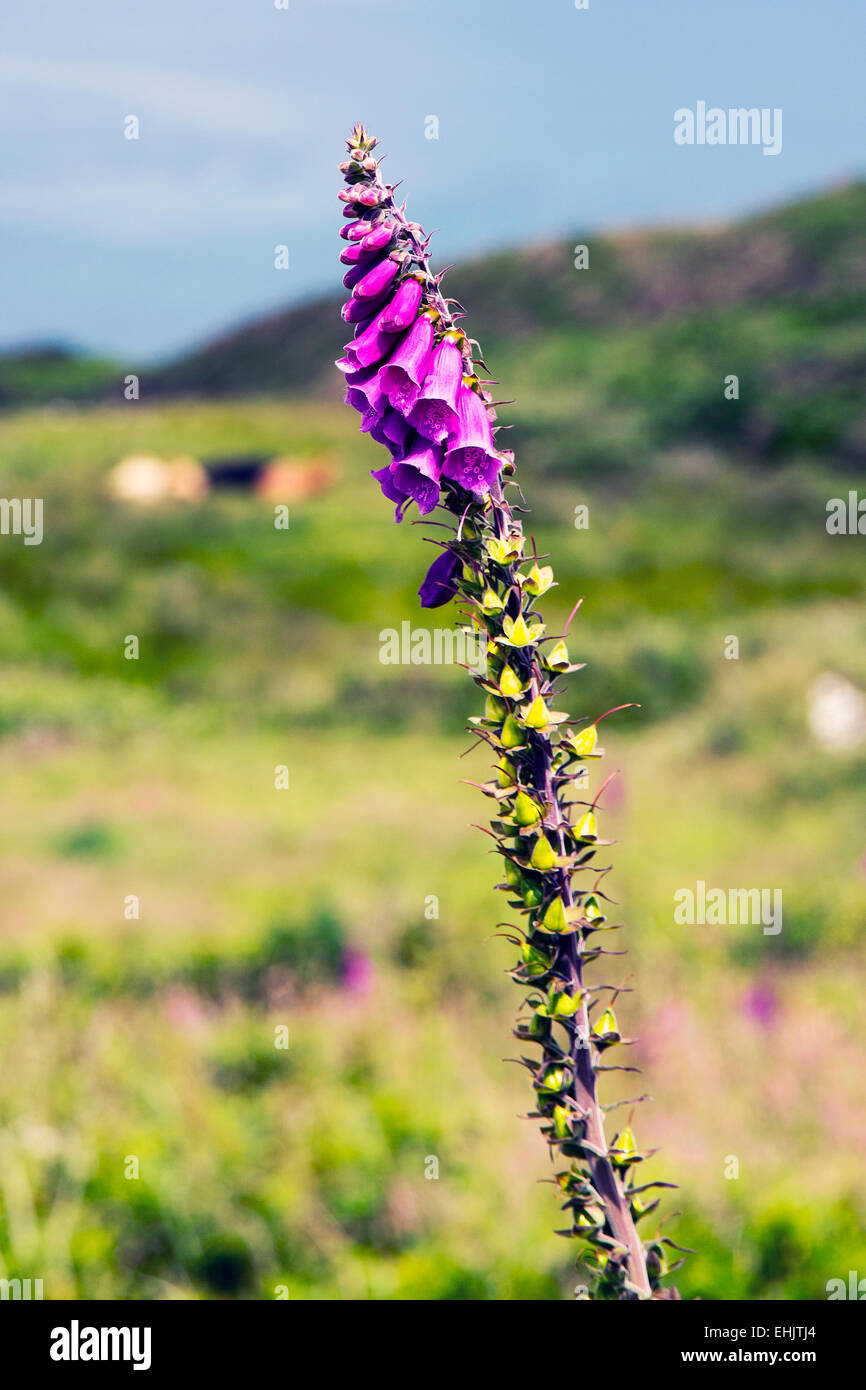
{"x": 357, "y": 972}
{"x": 760, "y": 1004}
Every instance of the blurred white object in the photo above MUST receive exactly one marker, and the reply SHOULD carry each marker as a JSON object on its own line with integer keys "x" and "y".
{"x": 837, "y": 712}
{"x": 145, "y": 480}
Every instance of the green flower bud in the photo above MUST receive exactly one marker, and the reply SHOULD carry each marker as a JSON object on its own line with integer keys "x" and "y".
{"x": 491, "y": 602}
{"x": 626, "y": 1148}
{"x": 513, "y": 876}
{"x": 512, "y": 735}
{"x": 535, "y": 961}
{"x": 606, "y": 1024}
{"x": 553, "y": 1080}
{"x": 584, "y": 742}
{"x": 509, "y": 683}
{"x": 525, "y": 810}
{"x": 506, "y": 775}
{"x": 536, "y": 715}
{"x": 543, "y": 855}
{"x": 557, "y": 658}
{"x": 539, "y": 580}
{"x": 565, "y": 1005}
{"x": 554, "y": 918}
{"x": 562, "y": 1121}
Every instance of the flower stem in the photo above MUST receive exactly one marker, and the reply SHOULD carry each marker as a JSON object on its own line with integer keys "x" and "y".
{"x": 540, "y": 761}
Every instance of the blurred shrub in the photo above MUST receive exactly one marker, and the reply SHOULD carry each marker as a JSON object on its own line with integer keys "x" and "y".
{"x": 311, "y": 950}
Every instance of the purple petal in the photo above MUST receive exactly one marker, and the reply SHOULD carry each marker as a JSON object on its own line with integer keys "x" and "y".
{"x": 380, "y": 237}
{"x": 357, "y": 310}
{"x": 357, "y": 272}
{"x": 471, "y": 459}
{"x": 403, "y": 307}
{"x": 353, "y": 254}
{"x": 425, "y": 457}
{"x": 355, "y": 231}
{"x": 392, "y": 431}
{"x": 407, "y": 367}
{"x": 420, "y": 489}
{"x": 440, "y": 582}
{"x": 377, "y": 280}
{"x": 418, "y": 473}
{"x": 370, "y": 346}
{"x": 364, "y": 394}
{"x": 385, "y": 478}
{"x": 435, "y": 412}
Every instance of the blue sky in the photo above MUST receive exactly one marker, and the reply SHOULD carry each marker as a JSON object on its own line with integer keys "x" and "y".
{"x": 551, "y": 119}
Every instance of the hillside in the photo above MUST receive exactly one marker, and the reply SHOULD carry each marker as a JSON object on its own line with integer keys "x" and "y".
{"x": 612, "y": 361}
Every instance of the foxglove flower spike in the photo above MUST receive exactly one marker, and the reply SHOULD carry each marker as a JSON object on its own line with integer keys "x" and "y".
{"x": 410, "y": 372}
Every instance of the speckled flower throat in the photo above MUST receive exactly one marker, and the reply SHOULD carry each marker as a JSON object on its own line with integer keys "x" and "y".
{"x": 412, "y": 374}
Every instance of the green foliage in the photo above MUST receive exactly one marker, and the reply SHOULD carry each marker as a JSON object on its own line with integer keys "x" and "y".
{"x": 155, "y": 1037}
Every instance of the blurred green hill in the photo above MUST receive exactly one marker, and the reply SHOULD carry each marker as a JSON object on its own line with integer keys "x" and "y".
{"x": 606, "y": 361}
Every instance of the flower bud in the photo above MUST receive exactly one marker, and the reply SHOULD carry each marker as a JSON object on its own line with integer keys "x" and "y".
{"x": 554, "y": 918}
{"x": 525, "y": 810}
{"x": 543, "y": 856}
{"x": 512, "y": 735}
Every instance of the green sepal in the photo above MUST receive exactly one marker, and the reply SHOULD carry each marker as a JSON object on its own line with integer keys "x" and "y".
{"x": 525, "y": 810}
{"x": 563, "y": 1004}
{"x": 513, "y": 876}
{"x": 538, "y": 581}
{"x": 584, "y": 743}
{"x": 506, "y": 775}
{"x": 533, "y": 894}
{"x": 534, "y": 961}
{"x": 491, "y": 602}
{"x": 510, "y": 683}
{"x": 554, "y": 919}
{"x": 543, "y": 856}
{"x": 512, "y": 736}
{"x": 557, "y": 659}
{"x": 504, "y": 551}
{"x": 516, "y": 633}
{"x": 562, "y": 1121}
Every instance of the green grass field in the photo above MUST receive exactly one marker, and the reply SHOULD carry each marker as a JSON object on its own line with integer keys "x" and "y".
{"x": 154, "y": 1142}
